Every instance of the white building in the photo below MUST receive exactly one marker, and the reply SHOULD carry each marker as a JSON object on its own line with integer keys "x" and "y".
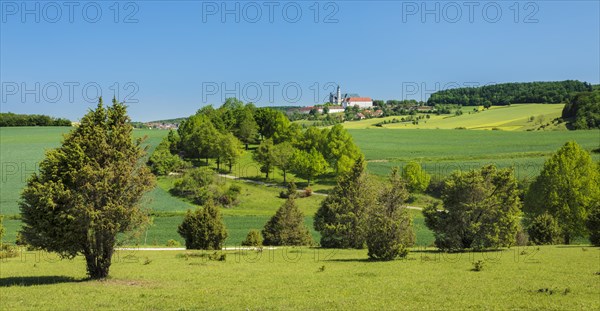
{"x": 349, "y": 100}
{"x": 361, "y": 102}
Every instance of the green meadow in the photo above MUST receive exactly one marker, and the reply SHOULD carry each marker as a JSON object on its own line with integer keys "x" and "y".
{"x": 547, "y": 277}
{"x": 439, "y": 151}
{"x": 540, "y": 278}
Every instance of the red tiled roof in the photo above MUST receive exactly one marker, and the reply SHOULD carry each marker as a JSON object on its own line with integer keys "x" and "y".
{"x": 358, "y": 99}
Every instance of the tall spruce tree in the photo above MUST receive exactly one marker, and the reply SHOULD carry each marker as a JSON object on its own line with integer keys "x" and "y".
{"x": 87, "y": 191}
{"x": 389, "y": 224}
{"x": 342, "y": 215}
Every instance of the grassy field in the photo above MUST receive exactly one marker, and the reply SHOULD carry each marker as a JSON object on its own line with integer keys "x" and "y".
{"x": 508, "y": 118}
{"x": 544, "y": 278}
{"x": 441, "y": 152}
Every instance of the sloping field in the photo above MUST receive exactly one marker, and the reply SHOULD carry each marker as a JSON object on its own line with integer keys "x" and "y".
{"x": 508, "y": 118}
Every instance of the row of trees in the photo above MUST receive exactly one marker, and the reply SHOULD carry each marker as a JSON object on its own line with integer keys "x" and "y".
{"x": 220, "y": 133}
{"x": 583, "y": 110}
{"x": 11, "y": 119}
{"x": 510, "y": 93}
{"x": 309, "y": 154}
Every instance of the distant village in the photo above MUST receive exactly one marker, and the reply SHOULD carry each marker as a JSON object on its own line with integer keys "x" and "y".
{"x": 362, "y": 108}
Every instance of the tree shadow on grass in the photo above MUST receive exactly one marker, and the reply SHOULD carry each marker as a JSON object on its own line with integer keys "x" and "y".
{"x": 37, "y": 280}
{"x": 351, "y": 260}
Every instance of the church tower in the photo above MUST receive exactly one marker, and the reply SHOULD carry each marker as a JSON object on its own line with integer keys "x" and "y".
{"x": 339, "y": 96}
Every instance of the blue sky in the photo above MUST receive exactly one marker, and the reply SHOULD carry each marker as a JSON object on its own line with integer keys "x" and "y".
{"x": 169, "y": 58}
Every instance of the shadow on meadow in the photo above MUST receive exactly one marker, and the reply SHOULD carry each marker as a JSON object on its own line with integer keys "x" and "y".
{"x": 37, "y": 280}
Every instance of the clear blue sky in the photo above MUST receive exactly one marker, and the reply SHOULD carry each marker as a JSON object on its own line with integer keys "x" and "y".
{"x": 178, "y": 55}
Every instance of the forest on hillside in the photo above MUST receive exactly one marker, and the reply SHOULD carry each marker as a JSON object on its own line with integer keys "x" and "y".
{"x": 510, "y": 93}
{"x": 583, "y": 111}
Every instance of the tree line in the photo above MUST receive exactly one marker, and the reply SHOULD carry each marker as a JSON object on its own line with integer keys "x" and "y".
{"x": 11, "y": 119}
{"x": 510, "y": 93}
{"x": 583, "y": 110}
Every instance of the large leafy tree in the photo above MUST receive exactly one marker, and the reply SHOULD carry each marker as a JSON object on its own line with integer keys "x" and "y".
{"x": 340, "y": 151}
{"x": 199, "y": 137}
{"x": 567, "y": 188}
{"x": 246, "y": 128}
{"x": 287, "y": 227}
{"x": 264, "y": 156}
{"x": 342, "y": 215}
{"x": 272, "y": 124}
{"x": 88, "y": 190}
{"x": 283, "y": 156}
{"x": 481, "y": 209}
{"x": 308, "y": 165}
{"x": 229, "y": 149}
{"x": 389, "y": 230}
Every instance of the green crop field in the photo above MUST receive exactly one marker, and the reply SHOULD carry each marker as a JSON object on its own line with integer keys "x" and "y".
{"x": 443, "y": 151}
{"x": 544, "y": 278}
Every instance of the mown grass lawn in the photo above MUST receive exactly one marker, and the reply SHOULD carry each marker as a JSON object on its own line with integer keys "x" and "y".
{"x": 548, "y": 278}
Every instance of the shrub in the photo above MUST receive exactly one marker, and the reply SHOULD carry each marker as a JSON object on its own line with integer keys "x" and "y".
{"x": 481, "y": 210}
{"x": 162, "y": 161}
{"x": 287, "y": 227}
{"x": 543, "y": 229}
{"x": 308, "y": 192}
{"x": 229, "y": 198}
{"x": 290, "y": 192}
{"x": 478, "y": 265}
{"x": 593, "y": 225}
{"x": 416, "y": 178}
{"x": 253, "y": 239}
{"x": 8, "y": 251}
{"x": 194, "y": 184}
{"x": 201, "y": 185}
{"x": 203, "y": 228}
{"x": 173, "y": 243}
{"x": 522, "y": 238}
{"x": 217, "y": 256}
